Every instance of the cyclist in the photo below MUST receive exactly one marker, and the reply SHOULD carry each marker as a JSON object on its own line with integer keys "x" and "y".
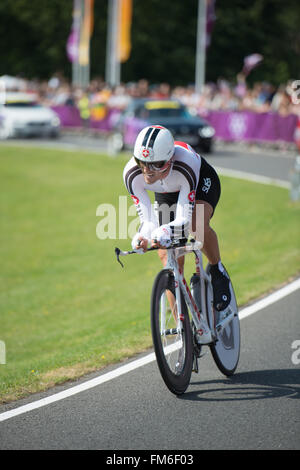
{"x": 181, "y": 180}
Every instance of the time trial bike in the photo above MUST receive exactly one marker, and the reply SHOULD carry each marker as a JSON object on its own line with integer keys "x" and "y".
{"x": 184, "y": 320}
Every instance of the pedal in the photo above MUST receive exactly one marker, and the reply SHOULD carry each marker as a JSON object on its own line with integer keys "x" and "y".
{"x": 197, "y": 355}
{"x": 195, "y": 365}
{"x": 197, "y": 350}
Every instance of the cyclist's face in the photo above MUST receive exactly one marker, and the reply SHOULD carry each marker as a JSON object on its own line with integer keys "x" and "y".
{"x": 151, "y": 174}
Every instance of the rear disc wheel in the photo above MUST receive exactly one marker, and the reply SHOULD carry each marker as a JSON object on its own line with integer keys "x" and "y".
{"x": 226, "y": 350}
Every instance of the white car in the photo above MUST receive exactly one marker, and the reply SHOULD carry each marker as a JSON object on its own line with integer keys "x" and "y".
{"x": 22, "y": 116}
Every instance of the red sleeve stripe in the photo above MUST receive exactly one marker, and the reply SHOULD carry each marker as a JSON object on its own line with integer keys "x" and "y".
{"x": 182, "y": 144}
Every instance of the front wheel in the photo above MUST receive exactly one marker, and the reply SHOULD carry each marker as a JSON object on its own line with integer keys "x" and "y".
{"x": 172, "y": 337}
{"x": 226, "y": 350}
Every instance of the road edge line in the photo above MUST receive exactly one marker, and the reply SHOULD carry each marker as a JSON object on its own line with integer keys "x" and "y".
{"x": 253, "y": 177}
{"x": 245, "y": 312}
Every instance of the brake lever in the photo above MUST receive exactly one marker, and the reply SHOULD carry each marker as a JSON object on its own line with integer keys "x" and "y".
{"x": 117, "y": 252}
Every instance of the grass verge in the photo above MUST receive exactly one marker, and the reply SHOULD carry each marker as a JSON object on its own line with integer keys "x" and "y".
{"x": 66, "y": 306}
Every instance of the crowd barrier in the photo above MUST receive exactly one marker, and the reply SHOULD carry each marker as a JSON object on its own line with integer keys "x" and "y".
{"x": 229, "y": 125}
{"x": 70, "y": 117}
{"x": 251, "y": 126}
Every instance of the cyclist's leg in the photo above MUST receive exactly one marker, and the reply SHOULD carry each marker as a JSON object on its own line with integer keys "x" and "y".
{"x": 208, "y": 193}
{"x": 204, "y": 232}
{"x": 207, "y": 197}
{"x": 172, "y": 302}
{"x": 164, "y": 257}
{"x": 166, "y": 208}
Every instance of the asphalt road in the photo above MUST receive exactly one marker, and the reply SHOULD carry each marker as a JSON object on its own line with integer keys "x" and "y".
{"x": 271, "y": 163}
{"x": 258, "y": 408}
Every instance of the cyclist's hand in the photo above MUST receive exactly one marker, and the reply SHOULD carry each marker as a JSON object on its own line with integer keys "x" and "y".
{"x": 139, "y": 244}
{"x": 161, "y": 236}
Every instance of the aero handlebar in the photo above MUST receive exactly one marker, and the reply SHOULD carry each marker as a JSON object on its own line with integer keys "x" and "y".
{"x": 175, "y": 244}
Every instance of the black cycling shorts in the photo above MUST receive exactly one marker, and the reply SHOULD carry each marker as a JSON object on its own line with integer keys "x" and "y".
{"x": 208, "y": 190}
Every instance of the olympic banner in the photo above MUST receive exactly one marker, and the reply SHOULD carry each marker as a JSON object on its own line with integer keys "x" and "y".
{"x": 86, "y": 32}
{"x": 73, "y": 39}
{"x": 210, "y": 20}
{"x": 251, "y": 62}
{"x": 125, "y": 18}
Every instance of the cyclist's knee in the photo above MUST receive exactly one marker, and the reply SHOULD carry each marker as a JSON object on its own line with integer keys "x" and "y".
{"x": 163, "y": 256}
{"x": 181, "y": 263}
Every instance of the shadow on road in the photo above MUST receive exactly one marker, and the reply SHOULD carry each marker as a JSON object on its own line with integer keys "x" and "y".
{"x": 252, "y": 385}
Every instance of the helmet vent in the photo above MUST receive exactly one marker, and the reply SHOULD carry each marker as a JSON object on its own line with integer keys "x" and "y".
{"x": 150, "y": 136}
{"x": 147, "y": 136}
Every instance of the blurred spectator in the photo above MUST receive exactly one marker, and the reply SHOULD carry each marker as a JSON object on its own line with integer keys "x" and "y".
{"x": 84, "y": 108}
{"x": 241, "y": 87}
{"x": 143, "y": 88}
{"x": 99, "y": 94}
{"x": 222, "y": 95}
{"x": 161, "y": 91}
{"x": 119, "y": 98}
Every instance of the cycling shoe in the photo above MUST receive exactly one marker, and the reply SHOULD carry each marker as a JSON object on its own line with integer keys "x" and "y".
{"x": 221, "y": 288}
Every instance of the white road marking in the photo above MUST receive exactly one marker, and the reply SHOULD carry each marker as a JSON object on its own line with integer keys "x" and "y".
{"x": 252, "y": 177}
{"x": 245, "y": 312}
{"x": 270, "y": 299}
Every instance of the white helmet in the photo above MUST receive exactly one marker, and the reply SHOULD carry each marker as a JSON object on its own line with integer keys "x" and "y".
{"x": 154, "y": 147}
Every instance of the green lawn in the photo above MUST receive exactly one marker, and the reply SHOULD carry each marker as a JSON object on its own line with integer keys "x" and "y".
{"x": 66, "y": 306}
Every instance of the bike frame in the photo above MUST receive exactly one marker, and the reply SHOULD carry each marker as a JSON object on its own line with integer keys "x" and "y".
{"x": 200, "y": 318}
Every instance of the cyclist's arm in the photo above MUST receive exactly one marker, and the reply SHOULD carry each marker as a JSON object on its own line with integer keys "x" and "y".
{"x": 186, "y": 171}
{"x": 184, "y": 211}
{"x": 180, "y": 227}
{"x": 145, "y": 212}
{"x": 141, "y": 200}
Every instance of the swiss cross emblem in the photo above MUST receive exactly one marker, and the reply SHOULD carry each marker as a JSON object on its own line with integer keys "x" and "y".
{"x": 192, "y": 196}
{"x": 135, "y": 199}
{"x": 145, "y": 153}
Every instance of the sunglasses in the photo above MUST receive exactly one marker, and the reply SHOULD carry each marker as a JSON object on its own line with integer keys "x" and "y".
{"x": 156, "y": 166}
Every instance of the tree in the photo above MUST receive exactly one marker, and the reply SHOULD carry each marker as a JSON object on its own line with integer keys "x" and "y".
{"x": 268, "y": 27}
{"x": 33, "y": 37}
{"x": 34, "y": 33}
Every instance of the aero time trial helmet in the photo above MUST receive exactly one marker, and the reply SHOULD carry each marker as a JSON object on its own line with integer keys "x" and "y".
{"x": 154, "y": 147}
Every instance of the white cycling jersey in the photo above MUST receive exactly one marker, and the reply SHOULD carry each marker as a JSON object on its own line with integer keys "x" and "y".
{"x": 183, "y": 178}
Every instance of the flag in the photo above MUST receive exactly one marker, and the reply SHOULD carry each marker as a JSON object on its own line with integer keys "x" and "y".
{"x": 125, "y": 17}
{"x": 86, "y": 32}
{"x": 73, "y": 39}
{"x": 250, "y": 62}
{"x": 210, "y": 20}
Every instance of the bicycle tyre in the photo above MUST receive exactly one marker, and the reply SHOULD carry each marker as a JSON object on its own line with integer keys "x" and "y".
{"x": 175, "y": 366}
{"x": 226, "y": 350}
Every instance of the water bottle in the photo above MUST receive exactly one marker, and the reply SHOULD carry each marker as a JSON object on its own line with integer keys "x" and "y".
{"x": 196, "y": 289}
{"x": 295, "y": 181}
